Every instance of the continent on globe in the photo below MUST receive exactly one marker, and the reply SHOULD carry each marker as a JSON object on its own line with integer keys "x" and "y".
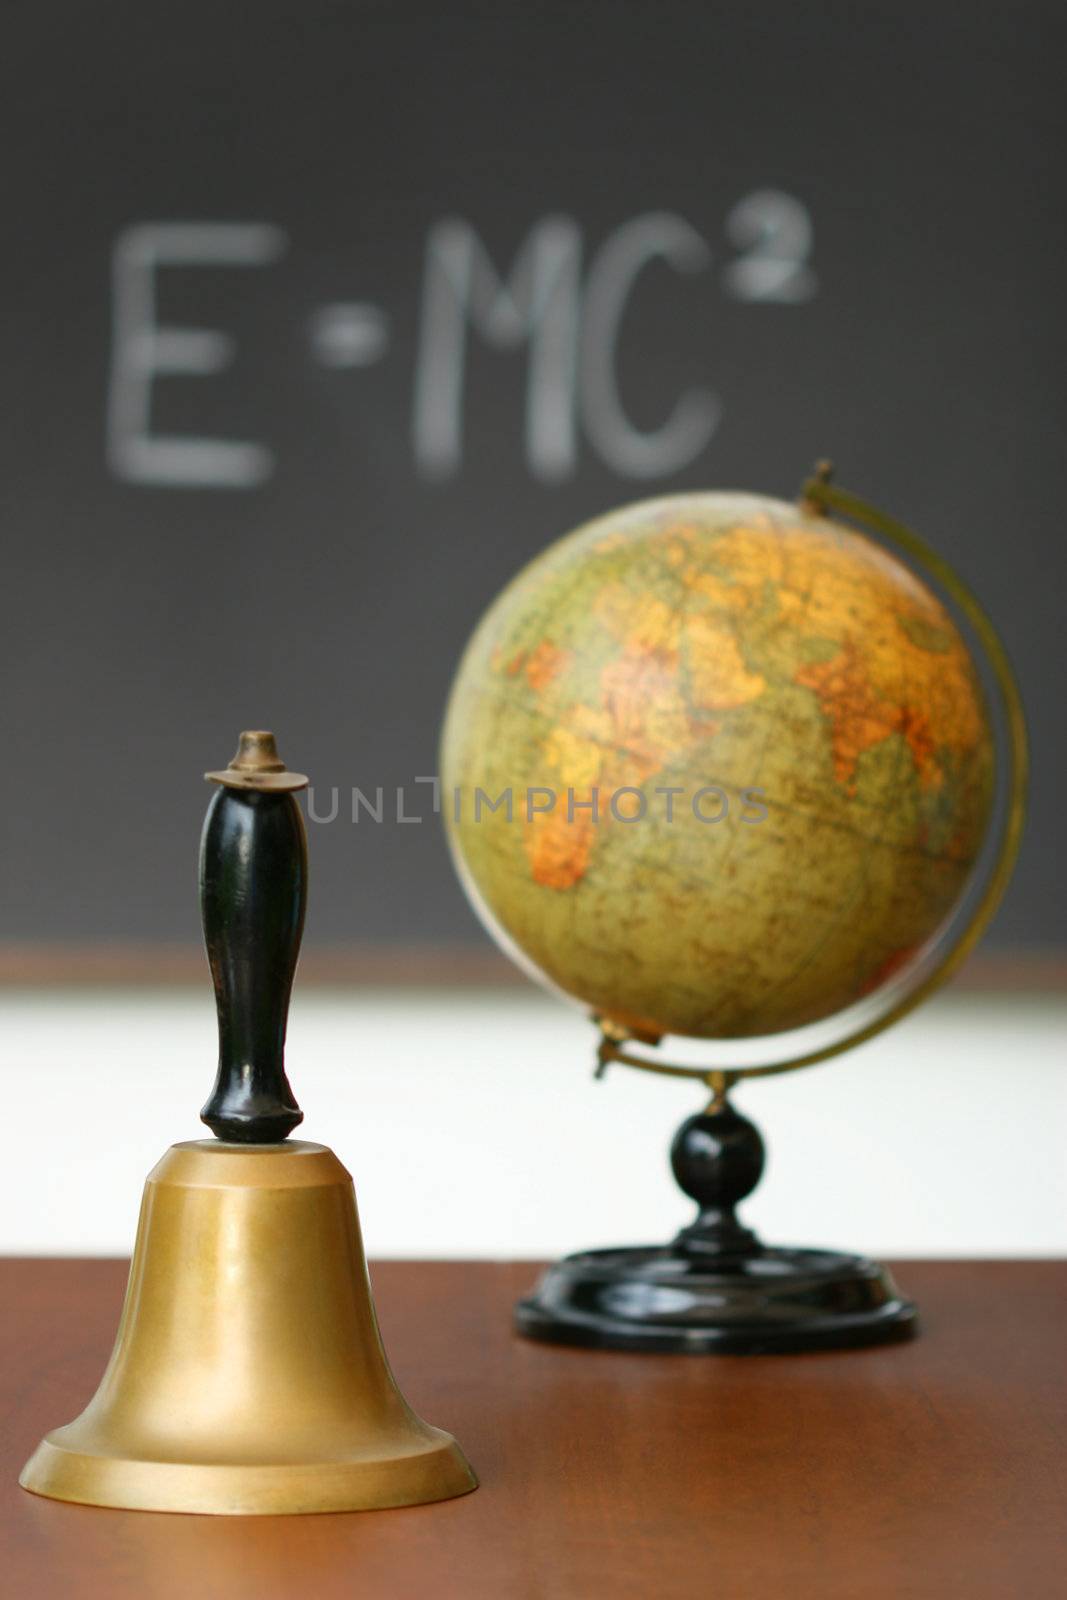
{"x": 721, "y": 766}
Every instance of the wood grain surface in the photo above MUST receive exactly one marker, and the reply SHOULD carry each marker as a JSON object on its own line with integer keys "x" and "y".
{"x": 933, "y": 1470}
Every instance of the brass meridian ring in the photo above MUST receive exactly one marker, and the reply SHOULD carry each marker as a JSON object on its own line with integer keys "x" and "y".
{"x": 821, "y": 497}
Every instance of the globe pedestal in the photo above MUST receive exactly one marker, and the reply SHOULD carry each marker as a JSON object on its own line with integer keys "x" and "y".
{"x": 716, "y": 1289}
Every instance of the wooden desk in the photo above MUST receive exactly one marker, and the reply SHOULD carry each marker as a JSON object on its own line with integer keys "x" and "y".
{"x": 918, "y": 1472}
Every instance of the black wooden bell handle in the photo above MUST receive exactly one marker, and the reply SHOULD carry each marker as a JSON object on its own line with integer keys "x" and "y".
{"x": 253, "y": 891}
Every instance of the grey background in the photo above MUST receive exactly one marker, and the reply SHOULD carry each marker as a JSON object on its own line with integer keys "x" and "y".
{"x": 141, "y": 626}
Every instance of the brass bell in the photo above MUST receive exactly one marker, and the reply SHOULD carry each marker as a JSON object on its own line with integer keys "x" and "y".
{"x": 248, "y": 1374}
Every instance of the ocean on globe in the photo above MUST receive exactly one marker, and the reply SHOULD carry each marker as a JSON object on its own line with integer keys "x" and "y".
{"x": 717, "y": 765}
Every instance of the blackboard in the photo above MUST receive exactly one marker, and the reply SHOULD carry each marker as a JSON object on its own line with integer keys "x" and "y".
{"x": 320, "y": 319}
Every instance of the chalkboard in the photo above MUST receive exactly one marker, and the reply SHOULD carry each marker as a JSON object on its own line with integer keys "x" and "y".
{"x": 320, "y": 319}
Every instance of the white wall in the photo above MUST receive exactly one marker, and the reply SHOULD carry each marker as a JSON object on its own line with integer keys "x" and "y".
{"x": 474, "y": 1128}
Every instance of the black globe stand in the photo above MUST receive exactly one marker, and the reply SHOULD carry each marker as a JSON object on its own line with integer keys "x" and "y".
{"x": 715, "y": 1289}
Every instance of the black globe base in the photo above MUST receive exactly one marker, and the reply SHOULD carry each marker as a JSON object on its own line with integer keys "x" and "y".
{"x": 774, "y": 1300}
{"x": 716, "y": 1289}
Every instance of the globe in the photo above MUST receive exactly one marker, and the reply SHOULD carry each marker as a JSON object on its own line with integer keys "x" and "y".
{"x": 718, "y": 765}
{"x": 722, "y": 766}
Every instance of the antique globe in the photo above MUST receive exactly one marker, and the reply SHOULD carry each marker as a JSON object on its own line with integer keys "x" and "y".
{"x": 736, "y": 769}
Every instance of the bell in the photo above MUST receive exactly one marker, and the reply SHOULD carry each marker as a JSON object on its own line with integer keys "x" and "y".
{"x": 248, "y": 1374}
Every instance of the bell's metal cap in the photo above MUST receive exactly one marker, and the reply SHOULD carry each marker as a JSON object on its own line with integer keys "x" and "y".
{"x": 257, "y": 765}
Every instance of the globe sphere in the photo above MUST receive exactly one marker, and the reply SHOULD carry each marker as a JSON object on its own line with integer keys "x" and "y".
{"x": 717, "y": 765}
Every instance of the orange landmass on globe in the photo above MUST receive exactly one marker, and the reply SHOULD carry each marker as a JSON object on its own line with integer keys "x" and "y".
{"x": 595, "y": 750}
{"x": 540, "y": 665}
{"x": 558, "y": 849}
{"x": 859, "y": 719}
{"x": 544, "y": 664}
